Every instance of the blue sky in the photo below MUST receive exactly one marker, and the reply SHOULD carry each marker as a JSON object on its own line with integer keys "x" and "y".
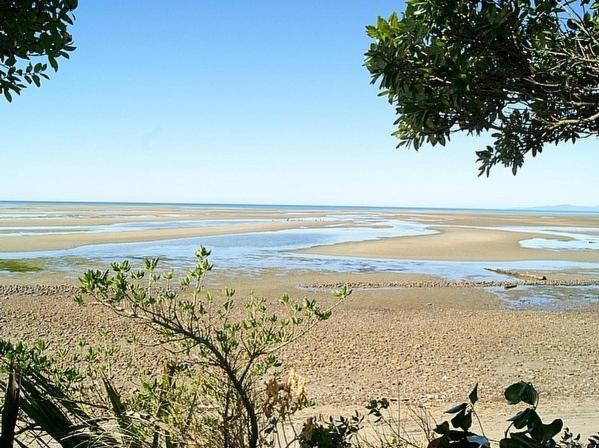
{"x": 245, "y": 102}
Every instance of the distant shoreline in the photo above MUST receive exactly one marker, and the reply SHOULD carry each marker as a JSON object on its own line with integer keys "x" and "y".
{"x": 560, "y": 209}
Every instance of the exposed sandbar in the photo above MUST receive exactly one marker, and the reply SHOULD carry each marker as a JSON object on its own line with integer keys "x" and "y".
{"x": 456, "y": 244}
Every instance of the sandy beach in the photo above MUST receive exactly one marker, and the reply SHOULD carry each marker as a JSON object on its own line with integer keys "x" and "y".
{"x": 425, "y": 345}
{"x": 459, "y": 244}
{"x": 461, "y": 236}
{"x": 68, "y": 241}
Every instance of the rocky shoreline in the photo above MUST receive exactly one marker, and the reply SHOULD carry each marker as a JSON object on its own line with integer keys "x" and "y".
{"x": 37, "y": 290}
{"x": 450, "y": 284}
{"x": 41, "y": 290}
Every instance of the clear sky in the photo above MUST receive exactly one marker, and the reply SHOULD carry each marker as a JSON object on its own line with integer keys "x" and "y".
{"x": 245, "y": 102}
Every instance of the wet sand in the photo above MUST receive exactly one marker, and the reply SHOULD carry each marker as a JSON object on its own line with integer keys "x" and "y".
{"x": 452, "y": 243}
{"x": 30, "y": 243}
{"x": 456, "y": 244}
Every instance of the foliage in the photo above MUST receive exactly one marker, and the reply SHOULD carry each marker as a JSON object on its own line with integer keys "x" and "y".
{"x": 55, "y": 408}
{"x": 223, "y": 378}
{"x": 531, "y": 431}
{"x": 33, "y": 34}
{"x": 525, "y": 70}
{"x": 18, "y": 266}
{"x": 43, "y": 409}
{"x": 569, "y": 440}
{"x": 220, "y": 384}
{"x": 456, "y": 433}
{"x": 330, "y": 434}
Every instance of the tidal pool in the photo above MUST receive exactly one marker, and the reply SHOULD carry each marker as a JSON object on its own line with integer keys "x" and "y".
{"x": 548, "y": 297}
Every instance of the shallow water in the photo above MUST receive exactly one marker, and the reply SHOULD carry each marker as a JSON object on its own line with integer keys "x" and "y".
{"x": 235, "y": 249}
{"x": 253, "y": 252}
{"x": 8, "y": 231}
{"x": 548, "y": 297}
{"x": 573, "y": 238}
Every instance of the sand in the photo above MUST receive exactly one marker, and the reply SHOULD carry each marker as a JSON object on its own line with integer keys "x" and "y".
{"x": 455, "y": 244}
{"x": 98, "y": 215}
{"x": 461, "y": 237}
{"x": 426, "y": 346}
{"x": 66, "y": 241}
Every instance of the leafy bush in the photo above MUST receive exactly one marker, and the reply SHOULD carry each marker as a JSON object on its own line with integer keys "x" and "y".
{"x": 223, "y": 377}
{"x": 525, "y": 430}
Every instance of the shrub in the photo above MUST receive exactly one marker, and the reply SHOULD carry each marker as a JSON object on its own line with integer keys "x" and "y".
{"x": 222, "y": 381}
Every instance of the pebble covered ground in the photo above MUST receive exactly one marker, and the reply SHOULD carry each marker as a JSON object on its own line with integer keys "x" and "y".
{"x": 423, "y": 344}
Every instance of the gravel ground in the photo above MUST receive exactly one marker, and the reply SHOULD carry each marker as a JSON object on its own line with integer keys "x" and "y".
{"x": 422, "y": 345}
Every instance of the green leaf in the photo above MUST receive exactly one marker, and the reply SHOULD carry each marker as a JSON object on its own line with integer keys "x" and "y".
{"x": 521, "y": 392}
{"x": 53, "y": 63}
{"x": 456, "y": 408}
{"x": 462, "y": 420}
{"x": 442, "y": 428}
{"x": 543, "y": 433}
{"x": 473, "y": 396}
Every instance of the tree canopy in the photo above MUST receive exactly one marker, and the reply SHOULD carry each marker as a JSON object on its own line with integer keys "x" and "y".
{"x": 33, "y": 34}
{"x": 526, "y": 71}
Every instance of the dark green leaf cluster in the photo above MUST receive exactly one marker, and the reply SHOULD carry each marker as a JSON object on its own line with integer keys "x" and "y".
{"x": 530, "y": 432}
{"x": 533, "y": 433}
{"x": 333, "y": 433}
{"x": 456, "y": 433}
{"x": 33, "y": 34}
{"x": 525, "y": 71}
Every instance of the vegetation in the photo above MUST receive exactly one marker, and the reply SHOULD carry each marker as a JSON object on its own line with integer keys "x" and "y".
{"x": 526, "y": 71}
{"x": 47, "y": 405}
{"x": 18, "y": 266}
{"x": 33, "y": 34}
{"x": 525, "y": 429}
{"x": 220, "y": 384}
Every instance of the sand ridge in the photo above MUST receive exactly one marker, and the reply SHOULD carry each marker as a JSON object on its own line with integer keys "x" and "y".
{"x": 455, "y": 244}
{"x": 461, "y": 236}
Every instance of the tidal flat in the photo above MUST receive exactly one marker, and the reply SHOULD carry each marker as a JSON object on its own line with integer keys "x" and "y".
{"x": 419, "y": 338}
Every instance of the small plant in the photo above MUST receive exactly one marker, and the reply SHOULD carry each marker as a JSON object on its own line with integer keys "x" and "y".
{"x": 42, "y": 402}
{"x": 456, "y": 433}
{"x": 530, "y": 432}
{"x": 223, "y": 375}
{"x": 568, "y": 440}
{"x": 331, "y": 433}
{"x": 533, "y": 433}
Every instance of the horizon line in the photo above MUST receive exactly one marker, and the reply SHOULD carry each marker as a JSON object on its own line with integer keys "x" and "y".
{"x": 557, "y": 207}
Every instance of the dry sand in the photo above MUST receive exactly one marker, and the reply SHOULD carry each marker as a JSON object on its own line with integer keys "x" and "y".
{"x": 455, "y": 244}
{"x": 429, "y": 346}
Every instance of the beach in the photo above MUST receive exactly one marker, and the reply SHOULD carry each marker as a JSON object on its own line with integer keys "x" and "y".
{"x": 407, "y": 332}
